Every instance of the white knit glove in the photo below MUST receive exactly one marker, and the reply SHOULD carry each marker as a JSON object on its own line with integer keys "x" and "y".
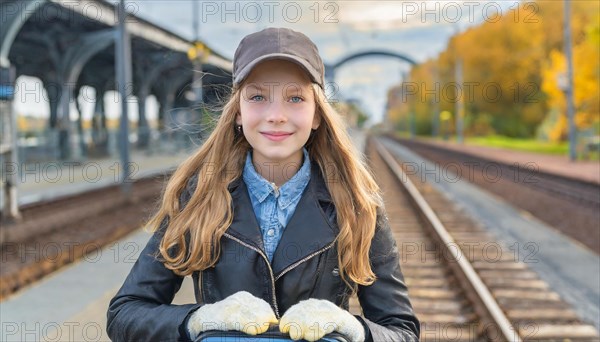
{"x": 312, "y": 319}
{"x": 241, "y": 311}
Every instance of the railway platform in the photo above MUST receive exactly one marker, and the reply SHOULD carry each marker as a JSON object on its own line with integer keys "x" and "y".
{"x": 47, "y": 180}
{"x": 71, "y": 304}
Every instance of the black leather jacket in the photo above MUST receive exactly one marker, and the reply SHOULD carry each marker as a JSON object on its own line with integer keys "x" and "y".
{"x": 304, "y": 266}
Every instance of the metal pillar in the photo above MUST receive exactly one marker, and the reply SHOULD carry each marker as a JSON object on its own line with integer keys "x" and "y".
{"x": 412, "y": 123}
{"x": 569, "y": 86}
{"x": 168, "y": 119}
{"x": 54, "y": 90}
{"x": 64, "y": 122}
{"x": 330, "y": 88}
{"x": 148, "y": 76}
{"x": 460, "y": 106}
{"x": 143, "y": 129}
{"x": 72, "y": 62}
{"x": 201, "y": 55}
{"x": 9, "y": 161}
{"x": 198, "y": 54}
{"x": 197, "y": 87}
{"x": 99, "y": 132}
{"x": 123, "y": 63}
{"x": 436, "y": 106}
{"x": 81, "y": 139}
{"x": 412, "y": 115}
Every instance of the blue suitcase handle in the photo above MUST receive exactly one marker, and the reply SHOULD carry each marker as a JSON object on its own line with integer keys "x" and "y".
{"x": 268, "y": 336}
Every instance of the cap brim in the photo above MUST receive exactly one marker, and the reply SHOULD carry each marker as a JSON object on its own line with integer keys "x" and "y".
{"x": 314, "y": 74}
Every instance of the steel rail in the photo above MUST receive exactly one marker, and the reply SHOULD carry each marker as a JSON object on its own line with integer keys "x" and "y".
{"x": 485, "y": 304}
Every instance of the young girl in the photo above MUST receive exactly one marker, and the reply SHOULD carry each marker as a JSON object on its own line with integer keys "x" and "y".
{"x": 276, "y": 218}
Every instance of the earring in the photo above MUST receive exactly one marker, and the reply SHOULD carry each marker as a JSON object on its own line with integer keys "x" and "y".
{"x": 239, "y": 128}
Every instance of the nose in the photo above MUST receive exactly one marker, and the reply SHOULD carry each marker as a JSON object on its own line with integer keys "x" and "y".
{"x": 276, "y": 111}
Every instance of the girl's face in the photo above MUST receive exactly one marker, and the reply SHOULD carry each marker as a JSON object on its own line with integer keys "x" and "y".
{"x": 277, "y": 112}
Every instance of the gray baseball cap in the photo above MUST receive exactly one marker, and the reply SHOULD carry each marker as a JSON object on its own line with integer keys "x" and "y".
{"x": 277, "y": 43}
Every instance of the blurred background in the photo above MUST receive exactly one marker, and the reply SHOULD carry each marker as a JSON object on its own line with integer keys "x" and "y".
{"x": 101, "y": 100}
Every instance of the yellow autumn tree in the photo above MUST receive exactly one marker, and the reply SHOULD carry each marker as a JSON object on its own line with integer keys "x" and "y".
{"x": 509, "y": 72}
{"x": 586, "y": 94}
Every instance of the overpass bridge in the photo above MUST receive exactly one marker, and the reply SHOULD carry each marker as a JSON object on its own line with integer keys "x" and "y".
{"x": 331, "y": 68}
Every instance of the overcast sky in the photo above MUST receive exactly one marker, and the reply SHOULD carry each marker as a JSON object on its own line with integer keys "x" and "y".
{"x": 416, "y": 29}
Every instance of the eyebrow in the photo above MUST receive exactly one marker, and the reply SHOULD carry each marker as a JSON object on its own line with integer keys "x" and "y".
{"x": 255, "y": 86}
{"x": 297, "y": 88}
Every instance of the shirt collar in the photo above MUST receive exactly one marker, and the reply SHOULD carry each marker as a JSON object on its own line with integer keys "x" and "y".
{"x": 260, "y": 188}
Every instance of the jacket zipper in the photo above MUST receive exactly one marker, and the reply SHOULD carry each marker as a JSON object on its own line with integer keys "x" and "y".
{"x": 274, "y": 299}
{"x": 286, "y": 270}
{"x": 294, "y": 265}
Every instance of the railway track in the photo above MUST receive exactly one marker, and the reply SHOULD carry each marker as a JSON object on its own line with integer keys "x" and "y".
{"x": 55, "y": 233}
{"x": 464, "y": 285}
{"x": 575, "y": 203}
{"x": 574, "y": 190}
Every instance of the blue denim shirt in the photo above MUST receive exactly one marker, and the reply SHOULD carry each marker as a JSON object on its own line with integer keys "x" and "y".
{"x": 274, "y": 207}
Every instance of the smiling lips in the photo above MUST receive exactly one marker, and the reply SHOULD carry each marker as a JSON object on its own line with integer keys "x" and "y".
{"x": 276, "y": 136}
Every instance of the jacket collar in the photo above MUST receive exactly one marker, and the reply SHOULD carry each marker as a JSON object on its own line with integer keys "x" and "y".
{"x": 308, "y": 230}
{"x": 260, "y": 188}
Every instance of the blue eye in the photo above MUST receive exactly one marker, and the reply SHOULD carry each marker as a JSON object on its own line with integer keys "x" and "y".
{"x": 296, "y": 99}
{"x": 257, "y": 98}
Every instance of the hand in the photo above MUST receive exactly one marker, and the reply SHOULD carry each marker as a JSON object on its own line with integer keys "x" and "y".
{"x": 241, "y": 311}
{"x": 312, "y": 319}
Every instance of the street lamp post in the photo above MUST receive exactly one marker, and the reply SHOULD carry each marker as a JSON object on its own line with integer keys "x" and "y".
{"x": 458, "y": 78}
{"x": 198, "y": 55}
{"x": 445, "y": 117}
{"x": 567, "y": 85}
{"x": 9, "y": 161}
{"x": 123, "y": 56}
{"x": 411, "y": 110}
{"x": 412, "y": 119}
{"x": 460, "y": 106}
{"x": 436, "y": 105}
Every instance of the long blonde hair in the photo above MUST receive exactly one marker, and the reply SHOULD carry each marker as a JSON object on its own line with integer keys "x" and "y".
{"x": 208, "y": 213}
